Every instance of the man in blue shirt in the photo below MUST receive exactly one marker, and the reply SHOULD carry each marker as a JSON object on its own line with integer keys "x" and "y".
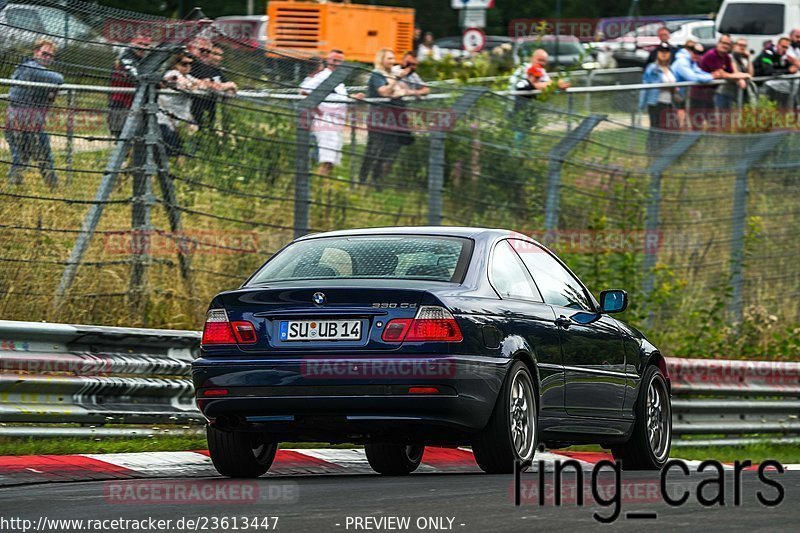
{"x": 27, "y": 114}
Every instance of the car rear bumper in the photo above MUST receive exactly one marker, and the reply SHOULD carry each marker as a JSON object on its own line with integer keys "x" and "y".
{"x": 333, "y": 398}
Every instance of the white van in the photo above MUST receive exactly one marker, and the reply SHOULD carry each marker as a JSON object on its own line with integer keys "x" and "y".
{"x": 758, "y": 20}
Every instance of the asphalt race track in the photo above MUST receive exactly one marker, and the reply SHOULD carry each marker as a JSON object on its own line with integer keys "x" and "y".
{"x": 474, "y": 502}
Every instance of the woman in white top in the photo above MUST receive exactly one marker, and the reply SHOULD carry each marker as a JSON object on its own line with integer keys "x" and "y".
{"x": 428, "y": 50}
{"x": 176, "y": 107}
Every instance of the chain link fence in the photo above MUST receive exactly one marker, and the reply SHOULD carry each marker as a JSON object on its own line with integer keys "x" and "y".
{"x": 150, "y": 218}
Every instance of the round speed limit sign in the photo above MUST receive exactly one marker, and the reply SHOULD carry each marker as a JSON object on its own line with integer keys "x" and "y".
{"x": 473, "y": 39}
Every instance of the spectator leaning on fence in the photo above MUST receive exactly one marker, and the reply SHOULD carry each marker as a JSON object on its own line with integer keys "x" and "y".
{"x": 525, "y": 115}
{"x": 175, "y": 107}
{"x": 126, "y": 70}
{"x": 742, "y": 63}
{"x": 658, "y": 101}
{"x": 686, "y": 68}
{"x": 329, "y": 118}
{"x": 793, "y": 50}
{"x": 776, "y": 61}
{"x": 27, "y": 114}
{"x": 406, "y": 74}
{"x": 204, "y": 106}
{"x": 539, "y": 57}
{"x": 382, "y": 141}
{"x": 719, "y": 59}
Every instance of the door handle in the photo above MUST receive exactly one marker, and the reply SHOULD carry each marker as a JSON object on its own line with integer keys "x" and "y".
{"x": 563, "y": 322}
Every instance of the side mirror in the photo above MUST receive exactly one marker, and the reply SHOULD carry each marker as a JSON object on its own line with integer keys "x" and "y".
{"x": 613, "y": 301}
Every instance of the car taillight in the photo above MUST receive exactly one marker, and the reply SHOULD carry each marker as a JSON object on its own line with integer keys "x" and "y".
{"x": 218, "y": 330}
{"x": 432, "y": 323}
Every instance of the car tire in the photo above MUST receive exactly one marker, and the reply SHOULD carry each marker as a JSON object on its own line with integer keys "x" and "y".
{"x": 240, "y": 454}
{"x": 649, "y": 444}
{"x": 512, "y": 432}
{"x": 394, "y": 459}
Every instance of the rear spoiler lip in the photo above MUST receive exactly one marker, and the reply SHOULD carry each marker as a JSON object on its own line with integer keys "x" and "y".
{"x": 326, "y": 311}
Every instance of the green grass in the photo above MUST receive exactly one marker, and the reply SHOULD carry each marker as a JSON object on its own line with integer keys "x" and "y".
{"x": 53, "y": 446}
{"x": 171, "y": 443}
{"x": 64, "y": 446}
{"x": 785, "y": 453}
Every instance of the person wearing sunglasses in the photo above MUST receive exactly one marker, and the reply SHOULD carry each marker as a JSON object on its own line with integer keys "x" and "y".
{"x": 406, "y": 73}
{"x": 206, "y": 67}
{"x": 26, "y": 115}
{"x": 175, "y": 107}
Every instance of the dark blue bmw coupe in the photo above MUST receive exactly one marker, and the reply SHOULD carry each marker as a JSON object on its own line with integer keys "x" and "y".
{"x": 400, "y": 338}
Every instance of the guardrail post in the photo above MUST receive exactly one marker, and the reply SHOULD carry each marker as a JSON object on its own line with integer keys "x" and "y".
{"x": 754, "y": 154}
{"x": 143, "y": 200}
{"x": 556, "y": 158}
{"x": 436, "y": 163}
{"x": 70, "y": 133}
{"x": 150, "y": 64}
{"x": 436, "y": 154}
{"x": 653, "y": 216}
{"x": 302, "y": 167}
{"x": 569, "y": 112}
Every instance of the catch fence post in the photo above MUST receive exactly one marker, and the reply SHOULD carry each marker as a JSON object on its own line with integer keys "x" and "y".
{"x": 436, "y": 153}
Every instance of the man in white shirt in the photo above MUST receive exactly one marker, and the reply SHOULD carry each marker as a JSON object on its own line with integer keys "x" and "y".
{"x": 330, "y": 117}
{"x": 794, "y": 46}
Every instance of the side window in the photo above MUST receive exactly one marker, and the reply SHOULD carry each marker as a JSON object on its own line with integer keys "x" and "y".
{"x": 24, "y": 19}
{"x": 704, "y": 32}
{"x": 557, "y": 285}
{"x": 508, "y": 274}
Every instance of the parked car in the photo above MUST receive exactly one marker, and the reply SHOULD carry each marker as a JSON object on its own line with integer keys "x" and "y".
{"x": 453, "y": 46}
{"x": 82, "y": 45}
{"x": 400, "y": 338}
{"x": 758, "y": 20}
{"x": 564, "y": 51}
{"x": 635, "y": 48}
{"x": 24, "y": 24}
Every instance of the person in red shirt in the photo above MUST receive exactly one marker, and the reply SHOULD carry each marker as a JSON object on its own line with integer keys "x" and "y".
{"x": 717, "y": 61}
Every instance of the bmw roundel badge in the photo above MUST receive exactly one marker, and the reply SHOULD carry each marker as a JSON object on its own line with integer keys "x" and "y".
{"x": 319, "y": 298}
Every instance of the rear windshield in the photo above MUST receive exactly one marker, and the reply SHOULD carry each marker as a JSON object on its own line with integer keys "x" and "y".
{"x": 380, "y": 256}
{"x": 752, "y": 19}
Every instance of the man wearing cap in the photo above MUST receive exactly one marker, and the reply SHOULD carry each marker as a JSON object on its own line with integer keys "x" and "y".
{"x": 658, "y": 101}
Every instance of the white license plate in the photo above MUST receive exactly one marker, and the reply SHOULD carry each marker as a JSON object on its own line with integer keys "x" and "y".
{"x": 320, "y": 330}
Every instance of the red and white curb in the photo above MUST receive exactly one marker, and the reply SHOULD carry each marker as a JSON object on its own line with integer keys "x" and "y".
{"x": 18, "y": 470}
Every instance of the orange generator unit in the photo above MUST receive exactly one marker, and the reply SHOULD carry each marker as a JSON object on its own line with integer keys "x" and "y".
{"x": 358, "y": 30}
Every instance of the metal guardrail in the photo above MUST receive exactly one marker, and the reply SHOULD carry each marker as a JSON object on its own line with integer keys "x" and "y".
{"x": 731, "y": 399}
{"x": 55, "y": 374}
{"x": 90, "y": 375}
